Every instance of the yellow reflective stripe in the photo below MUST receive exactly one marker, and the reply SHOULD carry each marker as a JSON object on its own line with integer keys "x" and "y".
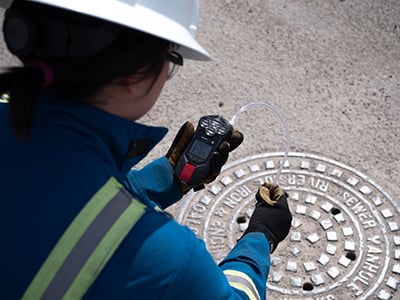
{"x": 245, "y": 289}
{"x": 243, "y": 282}
{"x": 105, "y": 250}
{"x": 87, "y": 244}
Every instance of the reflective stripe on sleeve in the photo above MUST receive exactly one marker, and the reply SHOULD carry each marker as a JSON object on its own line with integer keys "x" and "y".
{"x": 243, "y": 282}
{"x": 87, "y": 244}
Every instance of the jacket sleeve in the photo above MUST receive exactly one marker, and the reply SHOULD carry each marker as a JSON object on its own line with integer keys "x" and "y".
{"x": 155, "y": 181}
{"x": 247, "y": 266}
{"x": 241, "y": 275}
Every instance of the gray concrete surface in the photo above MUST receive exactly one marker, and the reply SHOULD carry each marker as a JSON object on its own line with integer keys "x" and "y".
{"x": 330, "y": 67}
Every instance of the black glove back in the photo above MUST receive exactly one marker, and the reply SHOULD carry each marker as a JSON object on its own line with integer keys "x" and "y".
{"x": 272, "y": 215}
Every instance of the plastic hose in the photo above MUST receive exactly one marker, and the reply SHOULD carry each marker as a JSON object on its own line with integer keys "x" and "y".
{"x": 282, "y": 120}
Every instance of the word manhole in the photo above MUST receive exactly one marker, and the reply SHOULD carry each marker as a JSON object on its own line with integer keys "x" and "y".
{"x": 344, "y": 241}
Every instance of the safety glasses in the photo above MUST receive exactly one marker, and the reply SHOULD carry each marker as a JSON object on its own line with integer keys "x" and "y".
{"x": 175, "y": 61}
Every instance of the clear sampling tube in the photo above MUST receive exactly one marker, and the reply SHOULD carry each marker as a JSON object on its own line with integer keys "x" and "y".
{"x": 282, "y": 120}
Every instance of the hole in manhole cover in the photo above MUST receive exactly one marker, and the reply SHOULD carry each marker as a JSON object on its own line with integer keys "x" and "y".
{"x": 335, "y": 211}
{"x": 351, "y": 255}
{"x": 241, "y": 219}
{"x": 308, "y": 286}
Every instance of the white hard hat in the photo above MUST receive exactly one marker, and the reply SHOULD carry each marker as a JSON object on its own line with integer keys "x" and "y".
{"x": 172, "y": 20}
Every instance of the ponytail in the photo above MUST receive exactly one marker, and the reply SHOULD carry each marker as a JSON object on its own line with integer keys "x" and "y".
{"x": 22, "y": 85}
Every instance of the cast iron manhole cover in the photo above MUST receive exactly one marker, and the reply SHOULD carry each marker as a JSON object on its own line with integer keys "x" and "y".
{"x": 344, "y": 241}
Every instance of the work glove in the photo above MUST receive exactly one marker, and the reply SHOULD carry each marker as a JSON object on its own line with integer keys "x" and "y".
{"x": 218, "y": 158}
{"x": 271, "y": 215}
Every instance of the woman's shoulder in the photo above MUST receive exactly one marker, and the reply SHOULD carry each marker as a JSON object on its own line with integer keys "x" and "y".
{"x": 157, "y": 253}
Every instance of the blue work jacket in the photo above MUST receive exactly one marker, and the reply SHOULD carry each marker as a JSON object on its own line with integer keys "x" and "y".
{"x": 75, "y": 148}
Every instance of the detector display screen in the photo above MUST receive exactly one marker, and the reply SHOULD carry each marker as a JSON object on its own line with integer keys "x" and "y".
{"x": 201, "y": 149}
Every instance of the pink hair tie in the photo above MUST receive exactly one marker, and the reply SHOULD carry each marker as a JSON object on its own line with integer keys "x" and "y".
{"x": 47, "y": 71}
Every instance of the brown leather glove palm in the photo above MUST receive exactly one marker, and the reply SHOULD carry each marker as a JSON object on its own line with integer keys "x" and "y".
{"x": 218, "y": 158}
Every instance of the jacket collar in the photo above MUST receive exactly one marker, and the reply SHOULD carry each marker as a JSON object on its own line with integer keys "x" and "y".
{"x": 118, "y": 141}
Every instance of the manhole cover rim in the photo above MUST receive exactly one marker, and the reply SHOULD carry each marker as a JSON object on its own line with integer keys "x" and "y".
{"x": 316, "y": 161}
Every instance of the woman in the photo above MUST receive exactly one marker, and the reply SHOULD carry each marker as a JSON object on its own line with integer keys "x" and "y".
{"x": 83, "y": 224}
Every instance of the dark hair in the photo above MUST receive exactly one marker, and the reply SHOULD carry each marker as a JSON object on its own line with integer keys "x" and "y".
{"x": 130, "y": 53}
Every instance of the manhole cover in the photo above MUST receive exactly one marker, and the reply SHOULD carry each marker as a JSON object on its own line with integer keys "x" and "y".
{"x": 344, "y": 241}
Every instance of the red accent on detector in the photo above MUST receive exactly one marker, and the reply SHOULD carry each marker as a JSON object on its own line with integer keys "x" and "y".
{"x": 187, "y": 172}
